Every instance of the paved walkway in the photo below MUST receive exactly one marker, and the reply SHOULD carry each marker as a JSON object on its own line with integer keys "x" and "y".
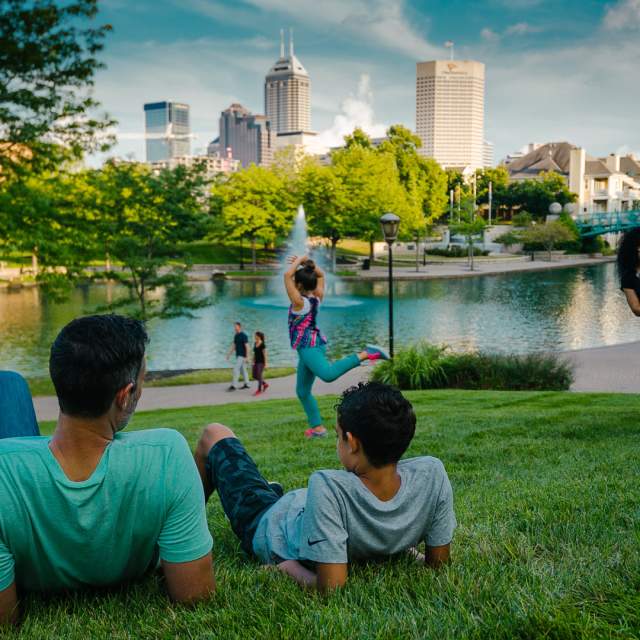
{"x": 482, "y": 267}
{"x": 607, "y": 369}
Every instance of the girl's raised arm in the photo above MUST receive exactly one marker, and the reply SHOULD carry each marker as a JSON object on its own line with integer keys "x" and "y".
{"x": 290, "y": 284}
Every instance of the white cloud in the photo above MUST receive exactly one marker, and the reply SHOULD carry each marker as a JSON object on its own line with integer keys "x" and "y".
{"x": 355, "y": 111}
{"x": 382, "y": 23}
{"x": 489, "y": 35}
{"x": 520, "y": 29}
{"x": 624, "y": 14}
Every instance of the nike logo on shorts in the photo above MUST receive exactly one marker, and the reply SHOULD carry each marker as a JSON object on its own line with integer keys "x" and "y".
{"x": 311, "y": 542}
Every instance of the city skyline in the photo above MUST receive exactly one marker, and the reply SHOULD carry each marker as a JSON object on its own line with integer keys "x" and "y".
{"x": 552, "y": 73}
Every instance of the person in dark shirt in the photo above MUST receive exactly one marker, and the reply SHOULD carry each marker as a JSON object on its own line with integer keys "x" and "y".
{"x": 628, "y": 268}
{"x": 239, "y": 346}
{"x": 259, "y": 362}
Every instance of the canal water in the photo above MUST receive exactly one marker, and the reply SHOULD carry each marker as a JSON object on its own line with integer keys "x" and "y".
{"x": 555, "y": 310}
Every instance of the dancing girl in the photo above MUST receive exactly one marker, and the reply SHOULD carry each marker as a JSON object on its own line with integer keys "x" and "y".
{"x": 304, "y": 282}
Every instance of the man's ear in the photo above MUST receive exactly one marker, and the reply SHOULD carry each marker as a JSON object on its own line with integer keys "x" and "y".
{"x": 123, "y": 395}
{"x": 353, "y": 442}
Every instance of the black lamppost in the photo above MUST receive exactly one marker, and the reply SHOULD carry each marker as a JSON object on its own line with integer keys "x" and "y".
{"x": 390, "y": 223}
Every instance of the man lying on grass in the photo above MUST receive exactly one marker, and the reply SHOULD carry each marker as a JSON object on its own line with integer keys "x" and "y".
{"x": 378, "y": 506}
{"x": 91, "y": 506}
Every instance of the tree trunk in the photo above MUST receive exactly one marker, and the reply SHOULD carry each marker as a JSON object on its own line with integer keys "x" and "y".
{"x": 417, "y": 253}
{"x": 34, "y": 260}
{"x": 471, "y": 253}
{"x": 241, "y": 253}
{"x": 371, "y": 250}
{"x": 334, "y": 246}
{"x": 253, "y": 253}
{"x": 107, "y": 262}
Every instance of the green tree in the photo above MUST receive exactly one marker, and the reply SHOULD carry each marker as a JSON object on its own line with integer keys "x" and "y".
{"x": 255, "y": 205}
{"x": 325, "y": 202}
{"x": 48, "y": 61}
{"x": 535, "y": 196}
{"x": 549, "y": 235}
{"x": 470, "y": 227}
{"x": 499, "y": 179}
{"x": 371, "y": 187}
{"x": 142, "y": 217}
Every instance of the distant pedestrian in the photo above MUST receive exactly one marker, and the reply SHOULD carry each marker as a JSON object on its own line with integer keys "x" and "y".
{"x": 629, "y": 268}
{"x": 259, "y": 362}
{"x": 240, "y": 346}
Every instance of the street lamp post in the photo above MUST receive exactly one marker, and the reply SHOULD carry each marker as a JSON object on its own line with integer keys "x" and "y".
{"x": 390, "y": 223}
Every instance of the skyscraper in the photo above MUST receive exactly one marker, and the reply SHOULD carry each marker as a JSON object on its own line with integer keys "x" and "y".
{"x": 167, "y": 130}
{"x": 248, "y": 136}
{"x": 287, "y": 90}
{"x": 450, "y": 111}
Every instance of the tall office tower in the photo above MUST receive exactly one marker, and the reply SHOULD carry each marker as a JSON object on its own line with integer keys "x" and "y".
{"x": 167, "y": 130}
{"x": 450, "y": 111}
{"x": 248, "y": 136}
{"x": 287, "y": 90}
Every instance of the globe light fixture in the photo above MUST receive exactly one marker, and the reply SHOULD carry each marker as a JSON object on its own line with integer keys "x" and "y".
{"x": 555, "y": 208}
{"x": 390, "y": 223}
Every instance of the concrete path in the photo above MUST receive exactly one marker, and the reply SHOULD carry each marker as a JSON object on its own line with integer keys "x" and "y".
{"x": 615, "y": 368}
{"x": 606, "y": 369}
{"x": 211, "y": 394}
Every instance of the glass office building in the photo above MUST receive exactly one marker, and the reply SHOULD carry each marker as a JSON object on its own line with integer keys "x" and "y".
{"x": 167, "y": 130}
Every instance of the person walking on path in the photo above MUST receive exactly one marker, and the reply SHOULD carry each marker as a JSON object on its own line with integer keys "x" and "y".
{"x": 259, "y": 362}
{"x": 304, "y": 283}
{"x": 240, "y": 346}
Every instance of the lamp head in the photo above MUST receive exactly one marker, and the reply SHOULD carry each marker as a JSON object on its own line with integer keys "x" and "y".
{"x": 390, "y": 223}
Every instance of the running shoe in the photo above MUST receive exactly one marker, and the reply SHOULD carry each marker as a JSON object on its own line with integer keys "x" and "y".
{"x": 265, "y": 386}
{"x": 313, "y": 433}
{"x": 256, "y": 393}
{"x": 374, "y": 352}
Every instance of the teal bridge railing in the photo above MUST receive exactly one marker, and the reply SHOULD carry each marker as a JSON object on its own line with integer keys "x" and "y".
{"x": 601, "y": 222}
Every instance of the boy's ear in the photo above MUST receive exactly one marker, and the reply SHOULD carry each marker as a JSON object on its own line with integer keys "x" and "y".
{"x": 353, "y": 443}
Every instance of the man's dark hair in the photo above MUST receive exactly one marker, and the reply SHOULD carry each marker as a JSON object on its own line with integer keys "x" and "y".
{"x": 380, "y": 417}
{"x": 628, "y": 253}
{"x": 92, "y": 359}
{"x": 238, "y": 324}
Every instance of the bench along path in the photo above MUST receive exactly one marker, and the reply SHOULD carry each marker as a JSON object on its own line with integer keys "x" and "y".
{"x": 607, "y": 369}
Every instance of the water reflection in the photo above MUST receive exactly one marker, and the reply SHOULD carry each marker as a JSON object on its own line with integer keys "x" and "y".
{"x": 554, "y": 310}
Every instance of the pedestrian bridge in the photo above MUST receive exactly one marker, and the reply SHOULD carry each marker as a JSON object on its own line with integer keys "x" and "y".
{"x": 599, "y": 223}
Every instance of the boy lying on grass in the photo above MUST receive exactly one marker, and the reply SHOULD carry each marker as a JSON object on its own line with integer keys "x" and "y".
{"x": 377, "y": 506}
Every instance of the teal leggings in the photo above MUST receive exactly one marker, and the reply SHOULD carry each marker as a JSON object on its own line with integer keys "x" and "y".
{"x": 312, "y": 363}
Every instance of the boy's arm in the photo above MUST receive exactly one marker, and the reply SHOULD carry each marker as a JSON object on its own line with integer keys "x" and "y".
{"x": 327, "y": 578}
{"x": 190, "y": 581}
{"x": 436, "y": 556}
{"x": 8, "y": 605}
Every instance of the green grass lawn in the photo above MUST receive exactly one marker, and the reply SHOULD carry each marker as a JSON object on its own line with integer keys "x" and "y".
{"x": 547, "y": 496}
{"x": 42, "y": 385}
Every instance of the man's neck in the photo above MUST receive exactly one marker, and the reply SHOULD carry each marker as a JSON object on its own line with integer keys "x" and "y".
{"x": 78, "y": 444}
{"x": 383, "y": 482}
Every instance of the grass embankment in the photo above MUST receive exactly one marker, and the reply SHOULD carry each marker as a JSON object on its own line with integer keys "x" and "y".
{"x": 42, "y": 386}
{"x": 547, "y": 488}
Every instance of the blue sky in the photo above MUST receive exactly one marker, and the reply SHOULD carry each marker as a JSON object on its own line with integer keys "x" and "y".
{"x": 556, "y": 69}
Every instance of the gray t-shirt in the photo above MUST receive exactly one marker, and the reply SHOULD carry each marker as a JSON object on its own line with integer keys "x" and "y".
{"x": 337, "y": 519}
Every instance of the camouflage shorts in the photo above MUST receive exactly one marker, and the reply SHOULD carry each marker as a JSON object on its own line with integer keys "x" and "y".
{"x": 244, "y": 494}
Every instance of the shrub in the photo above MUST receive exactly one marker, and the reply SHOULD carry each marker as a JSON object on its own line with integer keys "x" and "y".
{"x": 457, "y": 251}
{"x": 426, "y": 366}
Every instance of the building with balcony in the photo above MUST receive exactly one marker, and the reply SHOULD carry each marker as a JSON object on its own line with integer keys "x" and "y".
{"x": 604, "y": 184}
{"x": 214, "y": 165}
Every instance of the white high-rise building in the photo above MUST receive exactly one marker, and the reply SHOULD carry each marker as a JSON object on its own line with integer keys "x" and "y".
{"x": 287, "y": 94}
{"x": 450, "y": 112}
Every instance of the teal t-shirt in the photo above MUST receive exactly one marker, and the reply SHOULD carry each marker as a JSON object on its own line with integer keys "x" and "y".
{"x": 144, "y": 501}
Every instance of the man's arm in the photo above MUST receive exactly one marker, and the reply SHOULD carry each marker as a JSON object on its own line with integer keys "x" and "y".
{"x": 189, "y": 582}
{"x": 632, "y": 301}
{"x": 9, "y": 605}
{"x": 327, "y": 578}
